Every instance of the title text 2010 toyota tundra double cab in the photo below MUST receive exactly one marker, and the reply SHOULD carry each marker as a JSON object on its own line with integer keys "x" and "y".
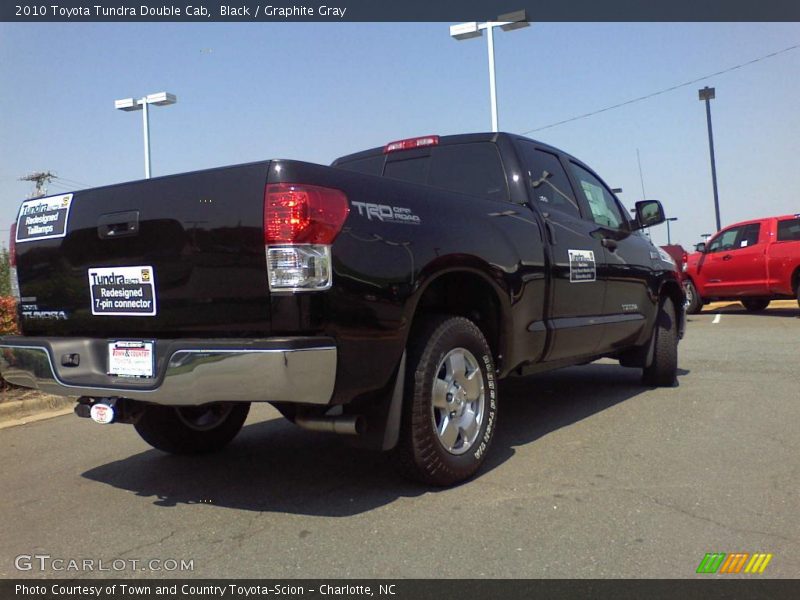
{"x": 382, "y": 297}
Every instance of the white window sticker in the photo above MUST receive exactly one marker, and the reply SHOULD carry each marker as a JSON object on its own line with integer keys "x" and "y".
{"x": 43, "y": 218}
{"x": 582, "y": 266}
{"x": 123, "y": 291}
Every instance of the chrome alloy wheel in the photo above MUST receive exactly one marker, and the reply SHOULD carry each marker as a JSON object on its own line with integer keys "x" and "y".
{"x": 206, "y": 417}
{"x": 459, "y": 401}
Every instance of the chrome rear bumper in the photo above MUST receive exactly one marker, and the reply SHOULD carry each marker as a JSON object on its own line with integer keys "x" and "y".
{"x": 190, "y": 373}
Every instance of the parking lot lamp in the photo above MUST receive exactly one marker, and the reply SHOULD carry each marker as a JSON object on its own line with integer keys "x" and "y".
{"x": 507, "y": 22}
{"x": 709, "y": 94}
{"x": 669, "y": 238}
{"x": 133, "y": 104}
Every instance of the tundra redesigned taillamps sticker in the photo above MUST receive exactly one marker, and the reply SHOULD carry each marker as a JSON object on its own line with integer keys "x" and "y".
{"x": 43, "y": 218}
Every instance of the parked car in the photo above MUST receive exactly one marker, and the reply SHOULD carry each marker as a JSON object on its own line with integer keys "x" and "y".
{"x": 678, "y": 254}
{"x": 381, "y": 298}
{"x": 753, "y": 262}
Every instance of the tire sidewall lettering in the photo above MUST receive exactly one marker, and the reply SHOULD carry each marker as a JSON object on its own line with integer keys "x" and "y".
{"x": 491, "y": 406}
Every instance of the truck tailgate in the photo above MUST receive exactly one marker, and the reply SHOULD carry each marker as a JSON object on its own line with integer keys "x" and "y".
{"x": 174, "y": 256}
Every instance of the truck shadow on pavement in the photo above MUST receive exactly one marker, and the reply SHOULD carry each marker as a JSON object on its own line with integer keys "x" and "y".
{"x": 275, "y": 466}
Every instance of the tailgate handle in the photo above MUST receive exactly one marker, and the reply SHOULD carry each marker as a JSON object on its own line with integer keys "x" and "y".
{"x": 121, "y": 224}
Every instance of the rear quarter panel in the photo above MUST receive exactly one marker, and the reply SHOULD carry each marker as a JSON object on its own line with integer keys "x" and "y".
{"x": 383, "y": 264}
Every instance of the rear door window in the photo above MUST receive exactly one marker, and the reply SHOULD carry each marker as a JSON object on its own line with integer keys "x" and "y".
{"x": 474, "y": 169}
{"x": 551, "y": 192}
{"x": 789, "y": 230}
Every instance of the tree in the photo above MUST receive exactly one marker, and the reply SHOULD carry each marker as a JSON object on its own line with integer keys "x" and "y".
{"x": 5, "y": 273}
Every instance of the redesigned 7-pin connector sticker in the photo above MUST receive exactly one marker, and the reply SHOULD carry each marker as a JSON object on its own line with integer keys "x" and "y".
{"x": 123, "y": 291}
{"x": 43, "y": 218}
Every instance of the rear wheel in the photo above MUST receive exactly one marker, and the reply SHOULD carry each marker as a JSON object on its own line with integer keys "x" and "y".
{"x": 694, "y": 303}
{"x": 192, "y": 429}
{"x": 663, "y": 370}
{"x": 755, "y": 304}
{"x": 450, "y": 405}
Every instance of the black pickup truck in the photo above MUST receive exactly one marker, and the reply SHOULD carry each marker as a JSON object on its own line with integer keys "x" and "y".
{"x": 381, "y": 298}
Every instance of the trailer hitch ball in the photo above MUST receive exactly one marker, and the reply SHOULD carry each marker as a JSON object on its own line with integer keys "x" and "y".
{"x": 100, "y": 410}
{"x": 102, "y": 413}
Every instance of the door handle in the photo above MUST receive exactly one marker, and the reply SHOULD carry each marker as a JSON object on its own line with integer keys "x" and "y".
{"x": 609, "y": 243}
{"x": 727, "y": 257}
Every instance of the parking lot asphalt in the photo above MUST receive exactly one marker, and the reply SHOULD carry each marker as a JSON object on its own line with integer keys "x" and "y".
{"x": 590, "y": 475}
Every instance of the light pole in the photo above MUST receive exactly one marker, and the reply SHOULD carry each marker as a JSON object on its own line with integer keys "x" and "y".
{"x": 132, "y": 104}
{"x": 669, "y": 237}
{"x": 507, "y": 22}
{"x": 709, "y": 94}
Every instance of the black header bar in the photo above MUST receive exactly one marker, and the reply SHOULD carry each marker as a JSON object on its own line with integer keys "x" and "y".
{"x": 205, "y": 11}
{"x": 712, "y": 588}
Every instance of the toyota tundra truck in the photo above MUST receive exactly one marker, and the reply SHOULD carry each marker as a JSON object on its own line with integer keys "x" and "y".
{"x": 753, "y": 262}
{"x": 381, "y": 298}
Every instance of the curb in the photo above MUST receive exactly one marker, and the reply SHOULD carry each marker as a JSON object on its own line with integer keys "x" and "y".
{"x": 40, "y": 406}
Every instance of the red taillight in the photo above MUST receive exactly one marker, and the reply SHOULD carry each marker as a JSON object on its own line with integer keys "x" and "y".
{"x": 12, "y": 246}
{"x": 296, "y": 213}
{"x": 685, "y": 257}
{"x": 417, "y": 142}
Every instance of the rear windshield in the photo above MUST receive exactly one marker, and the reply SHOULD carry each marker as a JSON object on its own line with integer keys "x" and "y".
{"x": 474, "y": 168}
{"x": 369, "y": 166}
{"x": 789, "y": 230}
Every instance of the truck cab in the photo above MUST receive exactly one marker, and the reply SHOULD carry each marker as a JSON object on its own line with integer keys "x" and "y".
{"x": 753, "y": 261}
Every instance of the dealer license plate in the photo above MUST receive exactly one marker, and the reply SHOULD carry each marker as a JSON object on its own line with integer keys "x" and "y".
{"x": 130, "y": 358}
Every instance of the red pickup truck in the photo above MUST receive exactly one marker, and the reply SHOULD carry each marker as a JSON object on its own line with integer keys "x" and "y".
{"x": 754, "y": 262}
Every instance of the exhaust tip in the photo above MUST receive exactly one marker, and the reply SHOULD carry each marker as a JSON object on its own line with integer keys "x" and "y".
{"x": 344, "y": 425}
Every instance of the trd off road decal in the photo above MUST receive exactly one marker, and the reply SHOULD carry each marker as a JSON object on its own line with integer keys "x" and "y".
{"x": 582, "y": 266}
{"x": 123, "y": 291}
{"x": 43, "y": 218}
{"x": 387, "y": 214}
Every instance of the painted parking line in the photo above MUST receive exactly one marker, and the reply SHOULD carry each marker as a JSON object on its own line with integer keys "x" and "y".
{"x": 717, "y": 318}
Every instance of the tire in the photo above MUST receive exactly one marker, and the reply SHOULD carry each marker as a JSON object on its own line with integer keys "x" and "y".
{"x": 450, "y": 403}
{"x": 663, "y": 371}
{"x": 192, "y": 429}
{"x": 694, "y": 303}
{"x": 755, "y": 304}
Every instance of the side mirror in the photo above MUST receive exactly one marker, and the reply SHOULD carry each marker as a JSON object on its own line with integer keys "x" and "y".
{"x": 649, "y": 213}
{"x": 701, "y": 247}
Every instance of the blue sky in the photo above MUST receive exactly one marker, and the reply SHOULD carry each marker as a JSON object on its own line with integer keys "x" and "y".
{"x": 316, "y": 91}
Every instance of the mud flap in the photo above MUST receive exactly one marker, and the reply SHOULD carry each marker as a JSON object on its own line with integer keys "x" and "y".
{"x": 391, "y": 433}
{"x": 383, "y": 414}
{"x": 641, "y": 356}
